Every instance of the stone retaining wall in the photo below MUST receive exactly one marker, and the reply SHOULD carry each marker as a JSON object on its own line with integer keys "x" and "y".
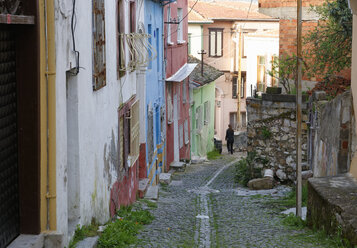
{"x": 331, "y": 138}
{"x": 271, "y": 133}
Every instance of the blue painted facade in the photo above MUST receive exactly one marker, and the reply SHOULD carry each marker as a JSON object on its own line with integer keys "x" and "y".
{"x": 155, "y": 94}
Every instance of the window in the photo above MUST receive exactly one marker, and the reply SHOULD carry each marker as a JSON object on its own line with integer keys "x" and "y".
{"x": 215, "y": 42}
{"x": 169, "y": 25}
{"x": 157, "y": 50}
{"x": 179, "y": 26}
{"x": 189, "y": 44}
{"x": 187, "y": 140}
{"x": 207, "y": 113}
{"x": 132, "y": 17}
{"x": 242, "y": 87}
{"x": 199, "y": 118}
{"x": 184, "y": 93}
{"x": 121, "y": 39}
{"x": 150, "y": 133}
{"x": 233, "y": 119}
{"x": 129, "y": 130}
{"x": 274, "y": 77}
{"x": 181, "y": 135}
{"x": 244, "y": 119}
{"x": 169, "y": 104}
{"x": 234, "y": 87}
{"x": 99, "y": 68}
{"x": 261, "y": 74}
{"x": 150, "y": 42}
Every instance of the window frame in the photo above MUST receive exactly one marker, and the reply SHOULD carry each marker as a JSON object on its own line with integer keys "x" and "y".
{"x": 234, "y": 86}
{"x": 121, "y": 60}
{"x": 180, "y": 26}
{"x": 215, "y": 30}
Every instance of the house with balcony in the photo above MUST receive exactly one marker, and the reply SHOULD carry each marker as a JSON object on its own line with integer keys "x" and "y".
{"x": 177, "y": 72}
{"x": 216, "y": 29}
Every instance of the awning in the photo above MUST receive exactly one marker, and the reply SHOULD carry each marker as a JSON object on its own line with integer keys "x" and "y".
{"x": 182, "y": 73}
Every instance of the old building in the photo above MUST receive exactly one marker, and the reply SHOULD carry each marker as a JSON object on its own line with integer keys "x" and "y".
{"x": 217, "y": 28}
{"x": 203, "y": 101}
{"x": 177, "y": 82}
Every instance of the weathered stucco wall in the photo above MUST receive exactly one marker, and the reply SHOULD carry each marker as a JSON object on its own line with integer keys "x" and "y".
{"x": 87, "y": 120}
{"x": 330, "y": 137}
{"x": 271, "y": 133}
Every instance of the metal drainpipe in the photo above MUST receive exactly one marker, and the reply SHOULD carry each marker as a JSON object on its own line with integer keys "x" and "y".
{"x": 50, "y": 102}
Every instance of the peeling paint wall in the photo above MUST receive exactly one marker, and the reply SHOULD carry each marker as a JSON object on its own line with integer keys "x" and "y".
{"x": 155, "y": 95}
{"x": 88, "y": 119}
{"x": 331, "y": 139}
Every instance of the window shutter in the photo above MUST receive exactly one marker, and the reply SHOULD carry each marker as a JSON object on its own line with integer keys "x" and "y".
{"x": 135, "y": 131}
{"x": 99, "y": 68}
{"x": 126, "y": 138}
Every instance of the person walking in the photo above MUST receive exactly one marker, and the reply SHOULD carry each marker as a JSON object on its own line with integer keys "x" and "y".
{"x": 230, "y": 139}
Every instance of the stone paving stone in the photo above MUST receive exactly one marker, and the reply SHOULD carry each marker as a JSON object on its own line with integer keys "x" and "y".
{"x": 234, "y": 220}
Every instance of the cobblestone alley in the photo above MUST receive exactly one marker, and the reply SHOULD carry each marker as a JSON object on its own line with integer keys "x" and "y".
{"x": 203, "y": 207}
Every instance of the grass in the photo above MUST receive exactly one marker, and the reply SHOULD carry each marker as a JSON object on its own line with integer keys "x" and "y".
{"x": 123, "y": 231}
{"x": 213, "y": 155}
{"x": 289, "y": 200}
{"x": 84, "y": 232}
{"x": 316, "y": 237}
{"x": 149, "y": 203}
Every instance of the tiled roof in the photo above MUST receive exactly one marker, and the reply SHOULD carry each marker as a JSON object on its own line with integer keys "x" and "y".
{"x": 210, "y": 73}
{"x": 226, "y": 10}
{"x": 193, "y": 17}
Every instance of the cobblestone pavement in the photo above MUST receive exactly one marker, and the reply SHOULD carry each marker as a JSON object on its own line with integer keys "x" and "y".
{"x": 201, "y": 208}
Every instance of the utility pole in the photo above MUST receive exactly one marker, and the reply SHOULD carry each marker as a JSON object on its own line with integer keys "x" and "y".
{"x": 203, "y": 52}
{"x": 239, "y": 75}
{"x": 298, "y": 109}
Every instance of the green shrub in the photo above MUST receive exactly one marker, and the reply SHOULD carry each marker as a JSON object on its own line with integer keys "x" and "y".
{"x": 123, "y": 232}
{"x": 245, "y": 170}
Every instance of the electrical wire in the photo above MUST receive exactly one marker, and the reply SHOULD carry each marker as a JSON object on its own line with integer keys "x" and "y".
{"x": 181, "y": 21}
{"x": 73, "y": 27}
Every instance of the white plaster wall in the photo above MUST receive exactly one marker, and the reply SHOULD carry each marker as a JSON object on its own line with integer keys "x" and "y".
{"x": 254, "y": 47}
{"x": 97, "y": 112}
{"x": 196, "y": 39}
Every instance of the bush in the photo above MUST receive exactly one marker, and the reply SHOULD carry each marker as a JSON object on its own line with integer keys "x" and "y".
{"x": 245, "y": 170}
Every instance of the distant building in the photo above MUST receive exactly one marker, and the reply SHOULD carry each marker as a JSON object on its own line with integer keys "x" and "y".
{"x": 202, "y": 100}
{"x": 178, "y": 71}
{"x": 214, "y": 27}
{"x": 154, "y": 108}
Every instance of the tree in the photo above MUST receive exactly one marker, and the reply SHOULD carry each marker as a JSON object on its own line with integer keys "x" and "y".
{"x": 329, "y": 45}
{"x": 284, "y": 69}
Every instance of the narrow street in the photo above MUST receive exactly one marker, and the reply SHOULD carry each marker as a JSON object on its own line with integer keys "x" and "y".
{"x": 203, "y": 207}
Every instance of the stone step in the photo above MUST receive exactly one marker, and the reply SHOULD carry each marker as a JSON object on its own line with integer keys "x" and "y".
{"x": 152, "y": 193}
{"x": 178, "y": 166}
{"x": 165, "y": 178}
{"x": 28, "y": 241}
{"x": 90, "y": 242}
{"x": 143, "y": 187}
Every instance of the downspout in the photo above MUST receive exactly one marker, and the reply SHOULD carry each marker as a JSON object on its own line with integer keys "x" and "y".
{"x": 50, "y": 74}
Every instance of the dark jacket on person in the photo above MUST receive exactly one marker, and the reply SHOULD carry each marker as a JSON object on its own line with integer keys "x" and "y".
{"x": 230, "y": 135}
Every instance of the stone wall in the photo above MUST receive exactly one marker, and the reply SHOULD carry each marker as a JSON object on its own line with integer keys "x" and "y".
{"x": 331, "y": 141}
{"x": 271, "y": 133}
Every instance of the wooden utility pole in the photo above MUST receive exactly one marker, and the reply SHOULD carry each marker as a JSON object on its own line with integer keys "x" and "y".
{"x": 298, "y": 110}
{"x": 239, "y": 75}
{"x": 203, "y": 52}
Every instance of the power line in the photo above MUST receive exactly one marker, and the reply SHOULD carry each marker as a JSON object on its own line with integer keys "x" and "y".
{"x": 181, "y": 20}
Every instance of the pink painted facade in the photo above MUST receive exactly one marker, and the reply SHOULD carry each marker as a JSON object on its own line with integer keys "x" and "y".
{"x": 176, "y": 93}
